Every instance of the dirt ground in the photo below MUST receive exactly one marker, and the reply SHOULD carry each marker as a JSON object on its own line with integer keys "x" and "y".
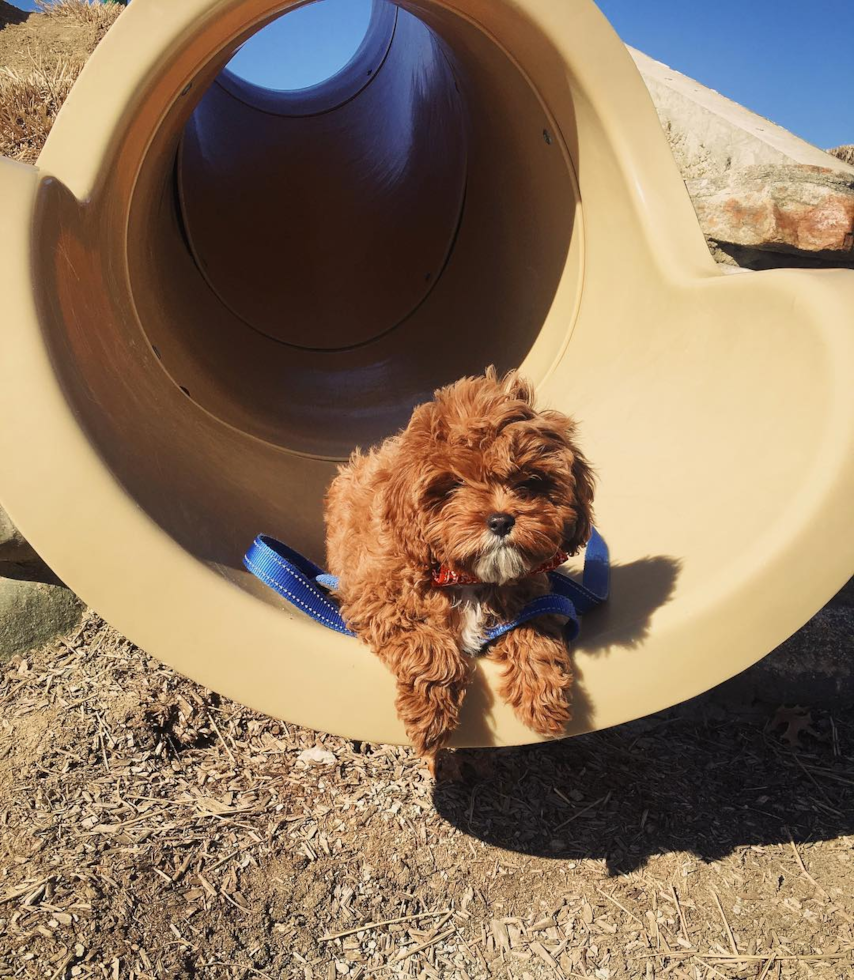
{"x": 151, "y": 830}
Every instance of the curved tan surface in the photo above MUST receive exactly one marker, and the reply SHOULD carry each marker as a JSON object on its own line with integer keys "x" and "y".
{"x": 161, "y": 416}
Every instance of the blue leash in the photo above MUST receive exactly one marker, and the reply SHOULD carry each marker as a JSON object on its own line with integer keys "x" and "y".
{"x": 307, "y": 586}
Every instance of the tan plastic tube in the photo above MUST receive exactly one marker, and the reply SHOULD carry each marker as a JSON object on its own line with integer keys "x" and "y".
{"x": 211, "y": 294}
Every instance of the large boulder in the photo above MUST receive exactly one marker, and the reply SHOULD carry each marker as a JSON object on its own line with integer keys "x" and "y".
{"x": 759, "y": 190}
{"x": 13, "y": 547}
{"x": 791, "y": 208}
{"x": 35, "y": 608}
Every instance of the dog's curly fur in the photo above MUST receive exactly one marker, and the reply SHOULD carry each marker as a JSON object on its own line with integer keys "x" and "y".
{"x": 423, "y": 498}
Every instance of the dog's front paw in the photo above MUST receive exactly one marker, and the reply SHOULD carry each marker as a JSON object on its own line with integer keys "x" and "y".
{"x": 444, "y": 766}
{"x": 536, "y": 679}
{"x": 547, "y": 713}
{"x": 430, "y": 714}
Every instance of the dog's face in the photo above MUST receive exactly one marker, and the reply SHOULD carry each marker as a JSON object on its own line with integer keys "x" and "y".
{"x": 488, "y": 485}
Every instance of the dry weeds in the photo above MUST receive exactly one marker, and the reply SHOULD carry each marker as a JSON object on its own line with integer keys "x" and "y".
{"x": 95, "y": 12}
{"x": 29, "y": 103}
{"x": 845, "y": 153}
{"x": 41, "y": 55}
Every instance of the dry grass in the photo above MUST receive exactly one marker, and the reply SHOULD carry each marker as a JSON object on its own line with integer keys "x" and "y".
{"x": 845, "y": 153}
{"x": 32, "y": 91}
{"x": 82, "y": 11}
{"x": 29, "y": 102}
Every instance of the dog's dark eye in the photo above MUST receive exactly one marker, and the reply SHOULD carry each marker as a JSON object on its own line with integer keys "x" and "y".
{"x": 532, "y": 486}
{"x": 442, "y": 491}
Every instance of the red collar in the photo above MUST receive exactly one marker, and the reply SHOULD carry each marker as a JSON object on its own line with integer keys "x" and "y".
{"x": 443, "y": 576}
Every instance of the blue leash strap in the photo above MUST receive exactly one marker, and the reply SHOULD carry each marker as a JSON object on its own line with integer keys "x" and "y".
{"x": 306, "y": 586}
{"x": 296, "y": 579}
{"x": 568, "y": 597}
{"x": 595, "y": 584}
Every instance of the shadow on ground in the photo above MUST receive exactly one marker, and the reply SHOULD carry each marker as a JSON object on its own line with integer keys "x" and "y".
{"x": 702, "y": 779}
{"x": 12, "y": 15}
{"x": 30, "y": 571}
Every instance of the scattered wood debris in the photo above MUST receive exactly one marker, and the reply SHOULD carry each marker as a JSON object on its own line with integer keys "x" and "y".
{"x": 150, "y": 829}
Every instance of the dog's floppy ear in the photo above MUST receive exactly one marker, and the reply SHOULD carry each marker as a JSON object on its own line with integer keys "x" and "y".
{"x": 518, "y": 387}
{"x": 584, "y": 484}
{"x": 400, "y": 503}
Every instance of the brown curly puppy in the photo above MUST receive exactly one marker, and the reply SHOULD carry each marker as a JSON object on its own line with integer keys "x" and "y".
{"x": 447, "y": 529}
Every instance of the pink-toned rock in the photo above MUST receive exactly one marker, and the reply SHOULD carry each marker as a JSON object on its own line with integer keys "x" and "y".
{"x": 796, "y": 208}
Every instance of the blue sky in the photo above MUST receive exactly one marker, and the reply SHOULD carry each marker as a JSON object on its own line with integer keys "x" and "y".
{"x": 789, "y": 60}
{"x": 308, "y": 45}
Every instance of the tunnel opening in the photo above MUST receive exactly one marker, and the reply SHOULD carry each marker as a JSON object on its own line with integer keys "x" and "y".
{"x": 310, "y": 46}
{"x": 357, "y": 186}
{"x": 334, "y": 255}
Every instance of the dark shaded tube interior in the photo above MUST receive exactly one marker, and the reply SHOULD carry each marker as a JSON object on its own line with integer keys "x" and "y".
{"x": 343, "y": 250}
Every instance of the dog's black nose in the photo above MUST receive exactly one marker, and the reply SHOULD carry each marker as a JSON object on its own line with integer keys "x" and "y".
{"x": 501, "y": 523}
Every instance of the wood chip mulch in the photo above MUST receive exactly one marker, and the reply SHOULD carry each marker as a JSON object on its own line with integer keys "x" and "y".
{"x": 150, "y": 829}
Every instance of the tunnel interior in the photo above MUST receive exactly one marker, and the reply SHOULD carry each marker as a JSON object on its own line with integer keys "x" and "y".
{"x": 326, "y": 257}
